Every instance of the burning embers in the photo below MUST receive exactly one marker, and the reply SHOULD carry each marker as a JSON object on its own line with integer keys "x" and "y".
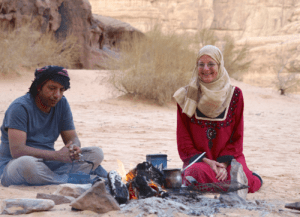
{"x": 141, "y": 182}
{"x": 145, "y": 181}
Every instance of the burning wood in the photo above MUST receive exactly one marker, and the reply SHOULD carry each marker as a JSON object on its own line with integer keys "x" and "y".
{"x": 141, "y": 182}
{"x": 118, "y": 189}
{"x": 145, "y": 181}
{"x": 130, "y": 176}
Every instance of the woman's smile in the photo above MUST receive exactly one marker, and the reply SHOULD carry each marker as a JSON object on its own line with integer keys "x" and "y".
{"x": 207, "y": 69}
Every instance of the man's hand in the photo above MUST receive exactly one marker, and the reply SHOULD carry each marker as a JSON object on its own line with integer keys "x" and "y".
{"x": 74, "y": 151}
{"x": 63, "y": 155}
{"x": 72, "y": 142}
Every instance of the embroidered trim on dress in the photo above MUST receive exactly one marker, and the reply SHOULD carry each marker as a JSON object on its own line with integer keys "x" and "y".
{"x": 228, "y": 117}
{"x": 215, "y": 119}
{"x": 210, "y": 134}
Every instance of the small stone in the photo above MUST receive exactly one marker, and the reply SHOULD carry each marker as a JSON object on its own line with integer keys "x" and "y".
{"x": 72, "y": 190}
{"x": 58, "y": 199}
{"x": 293, "y": 205}
{"x": 96, "y": 199}
{"x": 25, "y": 206}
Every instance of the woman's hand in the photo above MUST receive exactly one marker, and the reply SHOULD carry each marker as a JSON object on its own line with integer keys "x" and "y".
{"x": 222, "y": 174}
{"x": 218, "y": 168}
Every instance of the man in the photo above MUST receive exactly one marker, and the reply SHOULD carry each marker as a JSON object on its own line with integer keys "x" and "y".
{"x": 32, "y": 124}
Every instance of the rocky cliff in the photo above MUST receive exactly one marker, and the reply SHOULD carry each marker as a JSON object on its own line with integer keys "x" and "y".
{"x": 270, "y": 27}
{"x": 96, "y": 34}
{"x": 239, "y": 18}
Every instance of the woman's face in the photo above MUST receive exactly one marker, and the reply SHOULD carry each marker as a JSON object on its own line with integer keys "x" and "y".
{"x": 207, "y": 69}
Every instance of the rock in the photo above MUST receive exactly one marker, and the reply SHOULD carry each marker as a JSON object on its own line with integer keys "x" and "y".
{"x": 106, "y": 182}
{"x": 237, "y": 18}
{"x": 58, "y": 199}
{"x": 115, "y": 30}
{"x": 232, "y": 199}
{"x": 268, "y": 28}
{"x": 179, "y": 15}
{"x": 293, "y": 205}
{"x": 25, "y": 206}
{"x": 72, "y": 190}
{"x": 238, "y": 175}
{"x": 96, "y": 199}
{"x": 76, "y": 17}
{"x": 61, "y": 17}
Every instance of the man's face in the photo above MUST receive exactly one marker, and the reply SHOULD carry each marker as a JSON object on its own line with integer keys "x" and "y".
{"x": 51, "y": 93}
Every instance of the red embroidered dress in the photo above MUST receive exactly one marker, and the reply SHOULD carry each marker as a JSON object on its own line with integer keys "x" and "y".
{"x": 221, "y": 140}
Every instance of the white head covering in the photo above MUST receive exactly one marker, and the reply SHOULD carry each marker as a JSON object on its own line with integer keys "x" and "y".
{"x": 210, "y": 98}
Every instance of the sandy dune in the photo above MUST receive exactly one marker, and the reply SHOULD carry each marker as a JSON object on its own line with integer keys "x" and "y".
{"x": 128, "y": 129}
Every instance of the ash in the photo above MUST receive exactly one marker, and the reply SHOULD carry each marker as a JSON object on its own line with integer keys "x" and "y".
{"x": 194, "y": 205}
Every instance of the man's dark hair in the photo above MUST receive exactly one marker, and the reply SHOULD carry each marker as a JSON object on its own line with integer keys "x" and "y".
{"x": 53, "y": 73}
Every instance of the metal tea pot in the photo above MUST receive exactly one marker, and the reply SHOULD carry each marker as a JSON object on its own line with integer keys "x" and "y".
{"x": 173, "y": 177}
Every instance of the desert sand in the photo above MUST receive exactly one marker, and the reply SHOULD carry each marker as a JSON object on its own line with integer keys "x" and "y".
{"x": 127, "y": 129}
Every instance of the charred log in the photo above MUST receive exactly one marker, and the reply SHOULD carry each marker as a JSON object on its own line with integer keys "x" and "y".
{"x": 118, "y": 188}
{"x": 145, "y": 190}
{"x": 145, "y": 181}
{"x": 147, "y": 170}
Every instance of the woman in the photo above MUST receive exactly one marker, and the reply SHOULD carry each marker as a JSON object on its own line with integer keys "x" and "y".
{"x": 210, "y": 119}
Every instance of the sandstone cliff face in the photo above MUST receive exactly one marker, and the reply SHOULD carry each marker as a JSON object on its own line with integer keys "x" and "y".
{"x": 280, "y": 48}
{"x": 68, "y": 16}
{"x": 270, "y": 27}
{"x": 239, "y": 18}
{"x": 58, "y": 16}
{"x": 185, "y": 15}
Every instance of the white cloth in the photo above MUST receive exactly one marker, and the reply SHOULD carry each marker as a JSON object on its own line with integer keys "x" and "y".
{"x": 210, "y": 98}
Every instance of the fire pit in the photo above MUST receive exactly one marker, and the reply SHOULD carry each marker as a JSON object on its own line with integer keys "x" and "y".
{"x": 143, "y": 188}
{"x": 145, "y": 181}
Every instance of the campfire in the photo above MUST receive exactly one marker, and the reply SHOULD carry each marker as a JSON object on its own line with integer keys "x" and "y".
{"x": 141, "y": 182}
{"x": 148, "y": 185}
{"x": 145, "y": 180}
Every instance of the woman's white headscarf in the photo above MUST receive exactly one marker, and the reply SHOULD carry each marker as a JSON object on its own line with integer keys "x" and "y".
{"x": 210, "y": 98}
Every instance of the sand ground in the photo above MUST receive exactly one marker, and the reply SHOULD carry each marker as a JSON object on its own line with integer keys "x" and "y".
{"x": 128, "y": 129}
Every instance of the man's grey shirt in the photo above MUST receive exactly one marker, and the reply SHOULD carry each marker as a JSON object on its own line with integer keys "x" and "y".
{"x": 42, "y": 128}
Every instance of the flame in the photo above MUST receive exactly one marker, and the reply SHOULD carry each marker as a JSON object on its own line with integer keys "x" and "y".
{"x": 122, "y": 172}
{"x": 153, "y": 185}
{"x": 126, "y": 176}
{"x": 130, "y": 176}
{"x": 132, "y": 193}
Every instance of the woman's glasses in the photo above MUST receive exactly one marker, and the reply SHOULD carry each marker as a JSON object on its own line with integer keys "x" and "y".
{"x": 209, "y": 65}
